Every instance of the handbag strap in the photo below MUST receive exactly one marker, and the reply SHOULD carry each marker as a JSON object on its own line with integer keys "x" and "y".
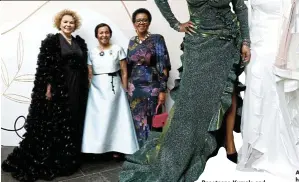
{"x": 159, "y": 106}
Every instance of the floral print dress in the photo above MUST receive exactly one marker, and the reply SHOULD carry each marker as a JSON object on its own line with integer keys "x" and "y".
{"x": 146, "y": 62}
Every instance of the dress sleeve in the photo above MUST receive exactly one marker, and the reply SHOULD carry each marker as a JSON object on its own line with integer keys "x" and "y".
{"x": 162, "y": 62}
{"x": 45, "y": 63}
{"x": 121, "y": 54}
{"x": 241, "y": 11}
{"x": 129, "y": 64}
{"x": 164, "y": 7}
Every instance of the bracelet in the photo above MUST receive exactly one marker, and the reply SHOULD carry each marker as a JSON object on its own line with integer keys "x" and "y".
{"x": 164, "y": 90}
{"x": 246, "y": 42}
{"x": 177, "y": 26}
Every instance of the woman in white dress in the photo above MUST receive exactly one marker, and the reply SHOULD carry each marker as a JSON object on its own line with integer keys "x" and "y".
{"x": 270, "y": 118}
{"x": 108, "y": 122}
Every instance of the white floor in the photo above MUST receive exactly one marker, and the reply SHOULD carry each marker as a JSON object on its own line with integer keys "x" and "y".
{"x": 220, "y": 169}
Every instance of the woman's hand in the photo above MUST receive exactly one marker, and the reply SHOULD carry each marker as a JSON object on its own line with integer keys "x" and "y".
{"x": 187, "y": 27}
{"x": 48, "y": 93}
{"x": 125, "y": 87}
{"x": 246, "y": 54}
{"x": 161, "y": 98}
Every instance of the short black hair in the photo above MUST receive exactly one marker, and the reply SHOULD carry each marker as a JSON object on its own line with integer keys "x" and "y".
{"x": 99, "y": 26}
{"x": 141, "y": 10}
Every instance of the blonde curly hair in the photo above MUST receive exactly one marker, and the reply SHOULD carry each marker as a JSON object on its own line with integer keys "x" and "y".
{"x": 58, "y": 17}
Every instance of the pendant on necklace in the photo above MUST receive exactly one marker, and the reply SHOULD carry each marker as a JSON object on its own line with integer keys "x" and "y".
{"x": 102, "y": 53}
{"x": 140, "y": 41}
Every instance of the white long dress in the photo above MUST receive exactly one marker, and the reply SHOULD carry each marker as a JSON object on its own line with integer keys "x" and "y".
{"x": 108, "y": 122}
{"x": 270, "y": 125}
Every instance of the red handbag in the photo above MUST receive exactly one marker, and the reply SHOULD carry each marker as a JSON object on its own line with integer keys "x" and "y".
{"x": 159, "y": 120}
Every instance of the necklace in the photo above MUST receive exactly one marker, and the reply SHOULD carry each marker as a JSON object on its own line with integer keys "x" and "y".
{"x": 102, "y": 53}
{"x": 66, "y": 38}
{"x": 146, "y": 36}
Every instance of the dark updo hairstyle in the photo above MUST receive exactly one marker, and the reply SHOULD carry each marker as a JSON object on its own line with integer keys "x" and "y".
{"x": 141, "y": 10}
{"x": 100, "y": 26}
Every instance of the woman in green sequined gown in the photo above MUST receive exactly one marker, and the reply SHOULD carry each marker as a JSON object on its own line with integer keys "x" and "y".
{"x": 211, "y": 62}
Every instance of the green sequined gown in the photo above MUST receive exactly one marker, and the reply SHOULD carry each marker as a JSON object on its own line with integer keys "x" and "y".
{"x": 211, "y": 63}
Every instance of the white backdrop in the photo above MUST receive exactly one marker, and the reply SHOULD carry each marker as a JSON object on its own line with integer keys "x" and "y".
{"x": 23, "y": 28}
{"x": 19, "y": 46}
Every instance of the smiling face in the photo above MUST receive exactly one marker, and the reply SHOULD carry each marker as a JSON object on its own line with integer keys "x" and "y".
{"x": 104, "y": 35}
{"x": 67, "y": 24}
{"x": 141, "y": 23}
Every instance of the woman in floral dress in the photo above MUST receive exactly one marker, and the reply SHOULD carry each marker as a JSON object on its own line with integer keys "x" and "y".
{"x": 148, "y": 67}
{"x": 215, "y": 51}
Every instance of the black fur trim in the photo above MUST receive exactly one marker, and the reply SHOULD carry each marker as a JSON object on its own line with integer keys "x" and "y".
{"x": 52, "y": 143}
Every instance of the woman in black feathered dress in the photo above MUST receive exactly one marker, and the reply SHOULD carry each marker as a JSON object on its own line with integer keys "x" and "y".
{"x": 52, "y": 143}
